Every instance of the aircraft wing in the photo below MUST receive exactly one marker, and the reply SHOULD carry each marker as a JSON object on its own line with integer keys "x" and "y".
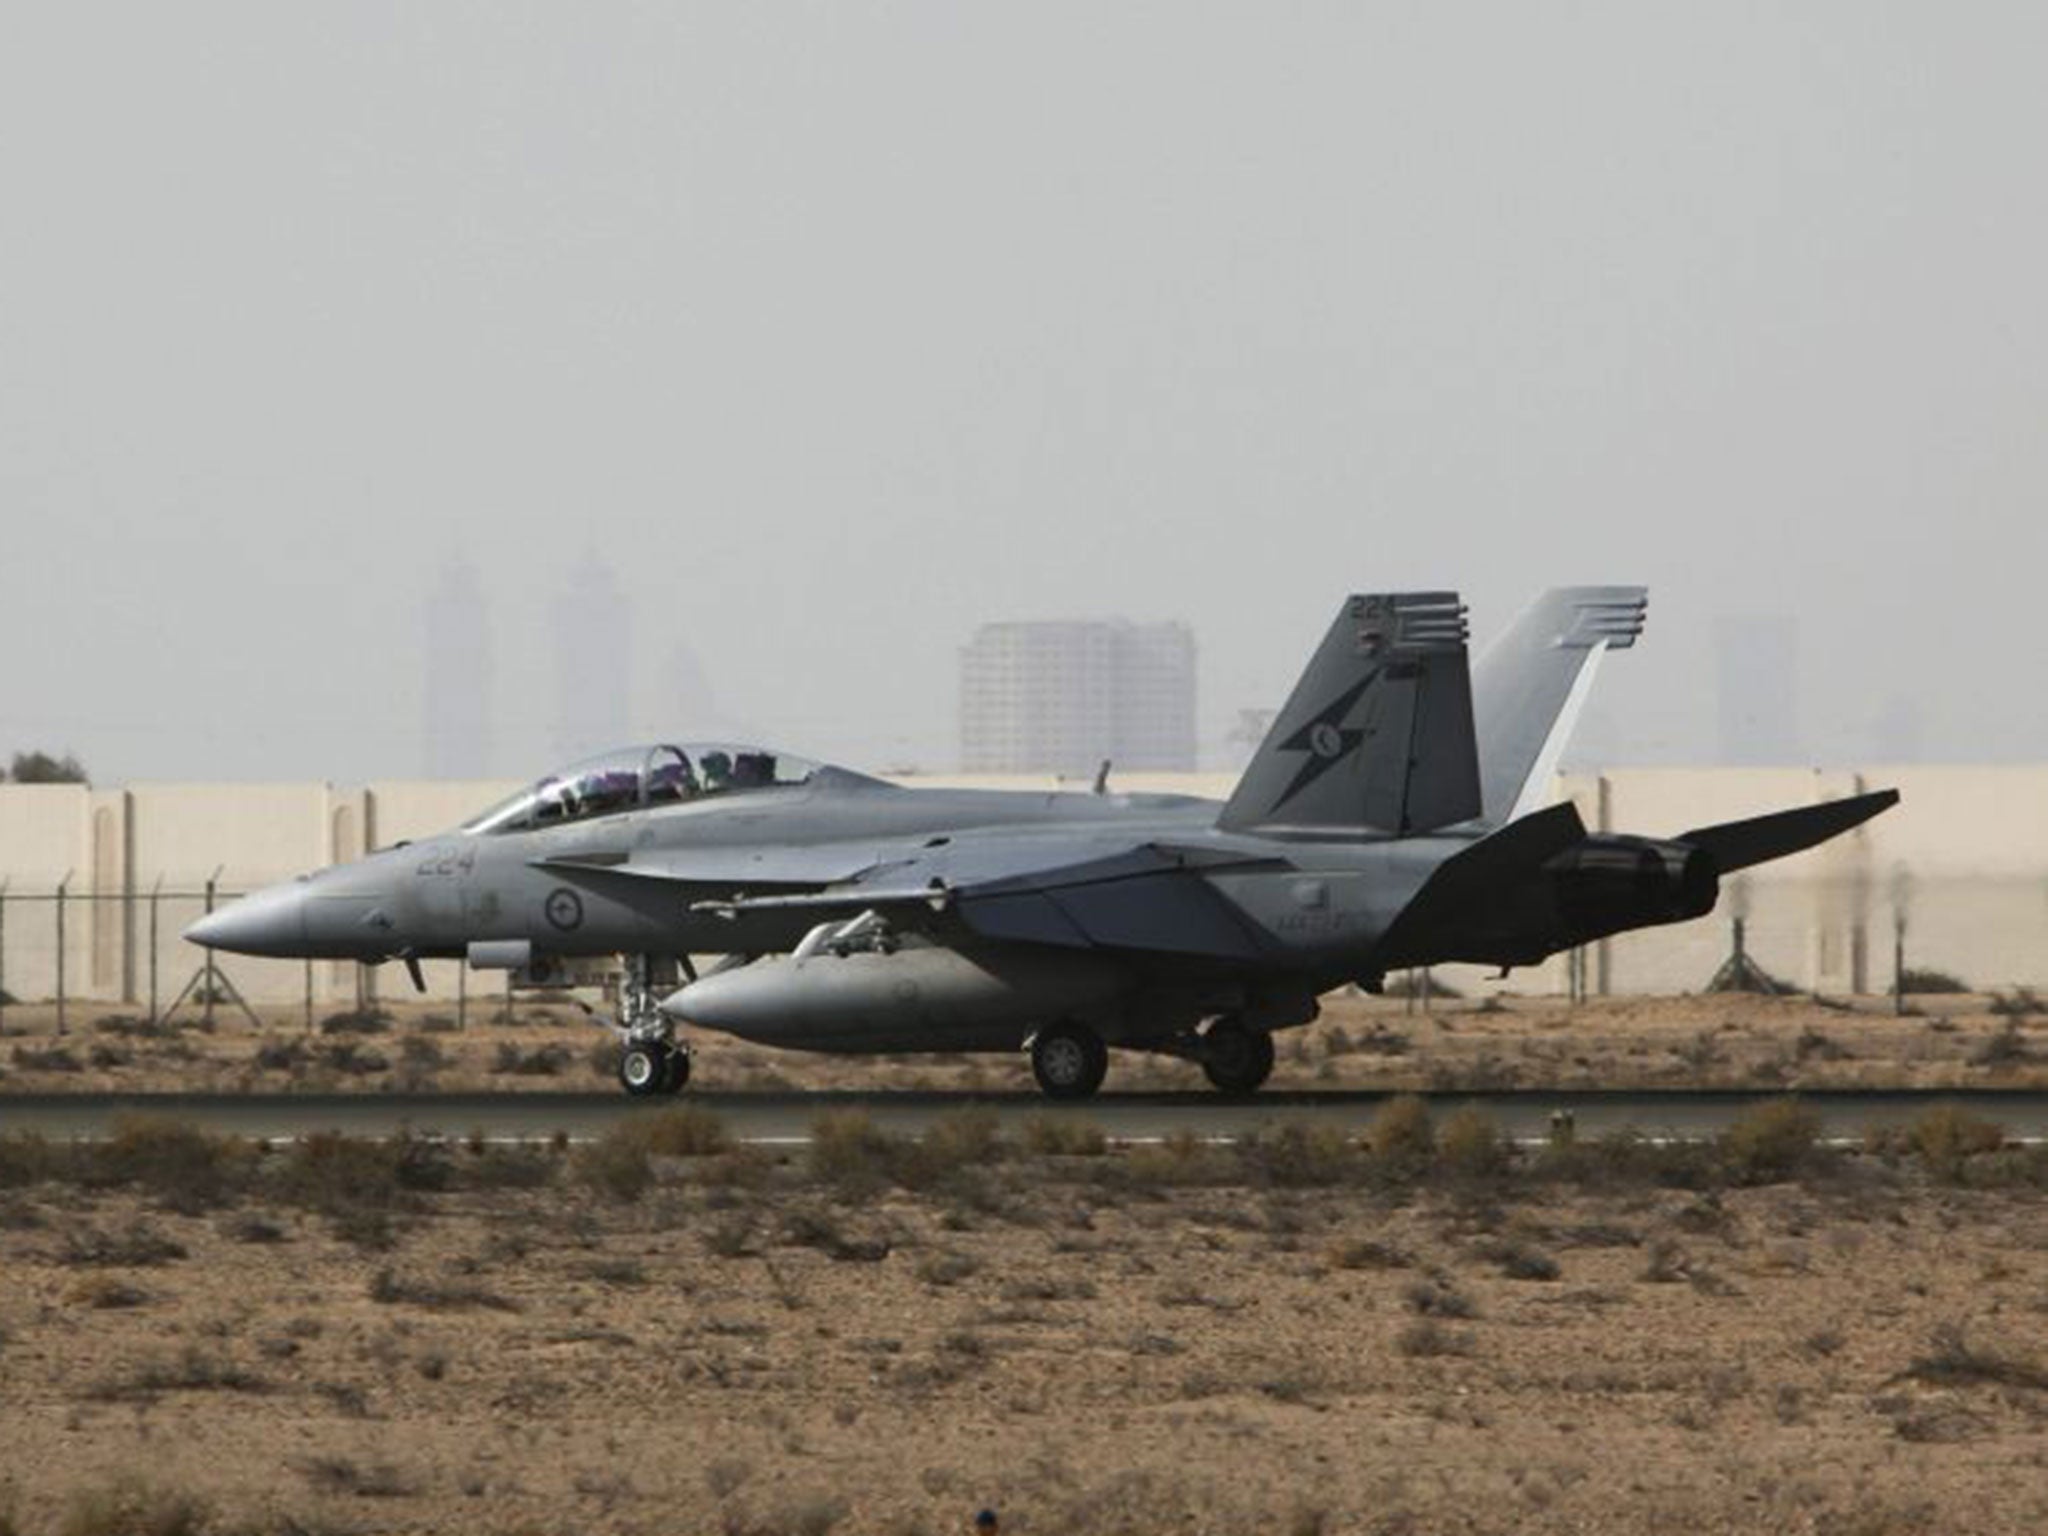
{"x": 1149, "y": 897}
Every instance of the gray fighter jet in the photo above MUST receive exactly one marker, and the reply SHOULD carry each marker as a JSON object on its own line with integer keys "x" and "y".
{"x": 1377, "y": 827}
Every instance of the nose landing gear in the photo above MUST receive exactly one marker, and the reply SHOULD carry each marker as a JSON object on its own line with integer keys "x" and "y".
{"x": 652, "y": 1060}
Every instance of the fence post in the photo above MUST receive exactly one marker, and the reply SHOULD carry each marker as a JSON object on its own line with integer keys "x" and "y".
{"x": 62, "y": 886}
{"x": 212, "y": 982}
{"x": 3, "y": 952}
{"x": 155, "y": 894}
{"x": 309, "y": 997}
{"x": 462, "y": 994}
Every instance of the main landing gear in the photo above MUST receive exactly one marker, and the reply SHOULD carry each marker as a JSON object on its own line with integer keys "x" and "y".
{"x": 1235, "y": 1059}
{"x": 1069, "y": 1061}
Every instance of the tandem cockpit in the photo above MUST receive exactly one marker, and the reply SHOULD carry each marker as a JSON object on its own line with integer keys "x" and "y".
{"x": 639, "y": 778}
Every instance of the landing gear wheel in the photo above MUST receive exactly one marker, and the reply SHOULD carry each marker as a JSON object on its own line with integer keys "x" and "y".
{"x": 1236, "y": 1059}
{"x": 644, "y": 1068}
{"x": 1068, "y": 1061}
{"x": 678, "y": 1072}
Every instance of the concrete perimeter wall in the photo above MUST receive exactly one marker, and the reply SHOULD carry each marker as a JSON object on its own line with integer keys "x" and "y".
{"x": 1964, "y": 860}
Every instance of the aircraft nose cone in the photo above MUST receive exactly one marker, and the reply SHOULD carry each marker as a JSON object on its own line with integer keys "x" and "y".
{"x": 271, "y": 921}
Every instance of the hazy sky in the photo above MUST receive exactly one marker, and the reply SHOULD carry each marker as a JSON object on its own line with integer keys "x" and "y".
{"x": 838, "y": 329}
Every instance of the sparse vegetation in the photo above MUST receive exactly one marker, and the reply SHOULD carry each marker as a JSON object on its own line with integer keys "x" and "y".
{"x": 2004, "y": 1047}
{"x": 1775, "y": 1140}
{"x": 1952, "y": 1361}
{"x": 1049, "y": 1135}
{"x": 1401, "y": 1132}
{"x": 1926, "y": 981}
{"x": 1191, "y": 1281}
{"x": 1470, "y": 1144}
{"x": 128, "y": 1506}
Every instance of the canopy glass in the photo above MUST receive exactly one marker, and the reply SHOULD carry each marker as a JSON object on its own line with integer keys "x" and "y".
{"x": 637, "y": 777}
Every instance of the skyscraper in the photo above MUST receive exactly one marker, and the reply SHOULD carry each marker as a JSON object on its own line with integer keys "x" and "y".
{"x": 457, "y": 695}
{"x": 1059, "y": 697}
{"x": 593, "y": 641}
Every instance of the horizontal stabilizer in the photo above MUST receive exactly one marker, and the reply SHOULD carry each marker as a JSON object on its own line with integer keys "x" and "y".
{"x": 1738, "y": 844}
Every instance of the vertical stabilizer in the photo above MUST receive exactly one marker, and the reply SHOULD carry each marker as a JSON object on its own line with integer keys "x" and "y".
{"x": 1376, "y": 739}
{"x": 1530, "y": 685}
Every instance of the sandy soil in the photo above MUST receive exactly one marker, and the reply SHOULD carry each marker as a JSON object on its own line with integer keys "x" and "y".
{"x": 1089, "y": 1344}
{"x": 1733, "y": 1041}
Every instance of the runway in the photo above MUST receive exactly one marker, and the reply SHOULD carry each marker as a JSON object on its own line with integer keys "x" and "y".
{"x": 785, "y": 1118}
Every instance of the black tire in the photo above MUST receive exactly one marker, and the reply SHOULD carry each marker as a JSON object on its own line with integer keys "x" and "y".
{"x": 1069, "y": 1061}
{"x": 1236, "y": 1059}
{"x": 678, "y": 1072}
{"x": 644, "y": 1067}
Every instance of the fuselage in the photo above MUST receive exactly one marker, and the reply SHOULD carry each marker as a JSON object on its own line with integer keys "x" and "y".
{"x": 648, "y": 879}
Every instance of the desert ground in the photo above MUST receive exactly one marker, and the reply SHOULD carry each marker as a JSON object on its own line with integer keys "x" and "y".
{"x": 1730, "y": 1040}
{"x": 1409, "y": 1329}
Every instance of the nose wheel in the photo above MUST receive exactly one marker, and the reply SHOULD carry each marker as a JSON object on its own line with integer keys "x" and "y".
{"x": 648, "y": 1068}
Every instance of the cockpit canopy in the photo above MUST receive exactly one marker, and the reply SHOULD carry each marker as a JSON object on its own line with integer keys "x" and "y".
{"x": 637, "y": 777}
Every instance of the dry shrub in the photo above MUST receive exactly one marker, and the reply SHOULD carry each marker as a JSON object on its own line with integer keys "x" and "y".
{"x": 1947, "y": 1134}
{"x": 1471, "y": 1145}
{"x": 1181, "y": 1159}
{"x": 1298, "y": 1154}
{"x": 1426, "y": 1338}
{"x": 850, "y": 1150}
{"x": 338, "y": 1475}
{"x": 351, "y": 1059}
{"x": 542, "y": 1061}
{"x": 1952, "y": 1361}
{"x": 1430, "y": 1298}
{"x": 615, "y": 1164}
{"x": 104, "y": 1292}
{"x": 28, "y": 1058}
{"x": 970, "y": 1137}
{"x": 491, "y": 1166}
{"x": 1774, "y": 1140}
{"x": 947, "y": 1268}
{"x": 1401, "y": 1132}
{"x": 1521, "y": 1260}
{"x": 333, "y": 1174}
{"x": 1368, "y": 1253}
{"x": 192, "y": 1370}
{"x": 131, "y": 1507}
{"x": 133, "y": 1247}
{"x": 686, "y": 1130}
{"x": 26, "y": 1157}
{"x": 369, "y": 1021}
{"x": 389, "y": 1289}
{"x": 182, "y": 1166}
{"x": 1063, "y": 1136}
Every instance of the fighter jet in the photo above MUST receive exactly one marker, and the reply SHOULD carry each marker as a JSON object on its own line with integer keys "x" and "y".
{"x": 1393, "y": 817}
